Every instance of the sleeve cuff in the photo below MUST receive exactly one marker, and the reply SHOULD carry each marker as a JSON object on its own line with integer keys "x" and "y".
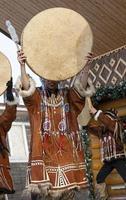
{"x": 11, "y": 103}
{"x": 89, "y": 91}
{"x": 25, "y": 93}
{"x": 79, "y": 88}
{"x": 97, "y": 114}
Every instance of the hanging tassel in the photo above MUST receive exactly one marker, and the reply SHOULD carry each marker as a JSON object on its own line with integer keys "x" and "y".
{"x": 102, "y": 152}
{"x": 114, "y": 148}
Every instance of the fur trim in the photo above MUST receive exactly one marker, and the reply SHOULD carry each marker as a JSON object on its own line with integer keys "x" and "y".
{"x": 56, "y": 194}
{"x": 84, "y": 93}
{"x": 31, "y": 190}
{"x": 18, "y": 84}
{"x": 25, "y": 93}
{"x": 44, "y": 188}
{"x": 11, "y": 103}
{"x": 26, "y": 194}
{"x": 39, "y": 190}
{"x": 91, "y": 89}
{"x": 59, "y": 194}
{"x": 97, "y": 114}
{"x": 43, "y": 191}
{"x": 101, "y": 191}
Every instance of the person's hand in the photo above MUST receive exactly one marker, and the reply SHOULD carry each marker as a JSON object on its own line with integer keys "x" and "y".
{"x": 89, "y": 57}
{"x": 21, "y": 57}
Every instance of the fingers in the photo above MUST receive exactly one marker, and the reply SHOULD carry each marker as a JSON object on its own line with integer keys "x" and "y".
{"x": 90, "y": 53}
{"x": 21, "y": 57}
{"x": 89, "y": 57}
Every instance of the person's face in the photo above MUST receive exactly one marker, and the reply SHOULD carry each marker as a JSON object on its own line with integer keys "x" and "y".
{"x": 51, "y": 85}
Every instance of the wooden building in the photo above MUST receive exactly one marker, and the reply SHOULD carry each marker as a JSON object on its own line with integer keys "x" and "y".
{"x": 107, "y": 19}
{"x": 108, "y": 72}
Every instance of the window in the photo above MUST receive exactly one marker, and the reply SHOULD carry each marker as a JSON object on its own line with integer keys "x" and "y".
{"x": 17, "y": 141}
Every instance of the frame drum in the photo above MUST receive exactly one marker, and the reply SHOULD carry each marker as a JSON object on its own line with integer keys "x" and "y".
{"x": 5, "y": 72}
{"x": 56, "y": 42}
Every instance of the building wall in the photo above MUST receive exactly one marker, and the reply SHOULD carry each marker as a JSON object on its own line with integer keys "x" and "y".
{"x": 19, "y": 175}
{"x": 18, "y": 140}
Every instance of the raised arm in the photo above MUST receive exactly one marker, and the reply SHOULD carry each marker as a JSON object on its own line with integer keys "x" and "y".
{"x": 25, "y": 85}
{"x": 24, "y": 76}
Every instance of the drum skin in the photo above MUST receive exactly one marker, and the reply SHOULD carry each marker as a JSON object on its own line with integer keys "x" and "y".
{"x": 5, "y": 72}
{"x": 56, "y": 42}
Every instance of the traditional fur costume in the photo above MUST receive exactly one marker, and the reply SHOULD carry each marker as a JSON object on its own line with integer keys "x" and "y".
{"x": 110, "y": 132}
{"x": 56, "y": 162}
{"x": 6, "y": 119}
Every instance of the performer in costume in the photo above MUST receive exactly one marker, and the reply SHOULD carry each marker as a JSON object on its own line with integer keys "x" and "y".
{"x": 113, "y": 155}
{"x": 6, "y": 119}
{"x": 56, "y": 160}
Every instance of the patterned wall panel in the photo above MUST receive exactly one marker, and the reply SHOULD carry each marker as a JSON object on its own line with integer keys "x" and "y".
{"x": 109, "y": 69}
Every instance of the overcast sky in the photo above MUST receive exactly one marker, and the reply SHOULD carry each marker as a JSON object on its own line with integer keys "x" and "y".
{"x": 8, "y": 48}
